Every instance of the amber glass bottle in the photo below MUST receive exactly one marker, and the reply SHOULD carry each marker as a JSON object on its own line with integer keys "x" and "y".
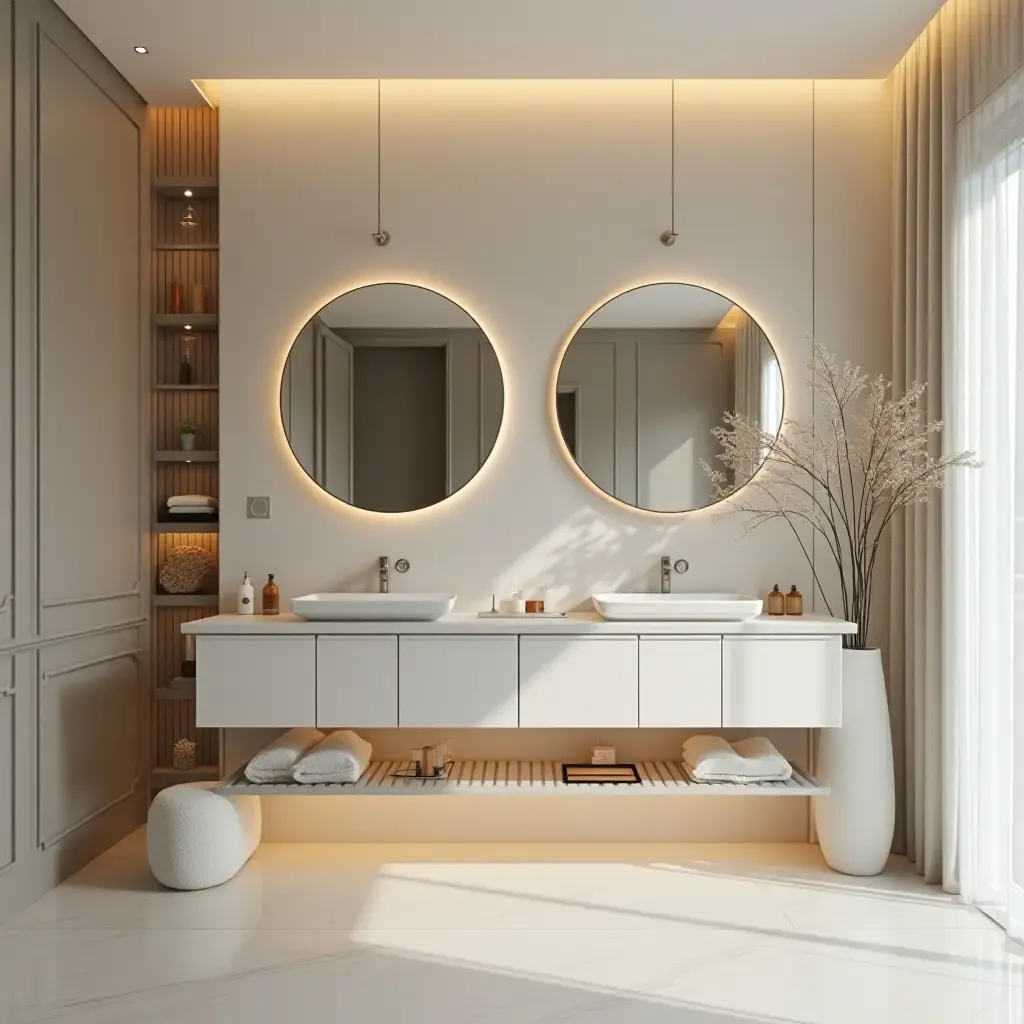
{"x": 271, "y": 597}
{"x": 776, "y": 602}
{"x": 794, "y": 601}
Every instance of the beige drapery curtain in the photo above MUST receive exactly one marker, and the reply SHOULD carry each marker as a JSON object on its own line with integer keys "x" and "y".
{"x": 968, "y": 50}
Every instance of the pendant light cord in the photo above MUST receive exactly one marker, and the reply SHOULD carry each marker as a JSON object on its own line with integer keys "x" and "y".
{"x": 669, "y": 237}
{"x": 380, "y": 236}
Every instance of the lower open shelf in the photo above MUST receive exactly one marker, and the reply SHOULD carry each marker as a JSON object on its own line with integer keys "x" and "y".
{"x": 525, "y": 778}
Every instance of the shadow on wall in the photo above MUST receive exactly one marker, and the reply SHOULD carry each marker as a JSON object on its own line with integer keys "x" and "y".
{"x": 566, "y": 567}
{"x": 572, "y": 558}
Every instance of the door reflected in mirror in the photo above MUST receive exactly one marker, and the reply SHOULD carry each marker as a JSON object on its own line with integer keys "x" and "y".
{"x": 645, "y": 380}
{"x": 392, "y": 397}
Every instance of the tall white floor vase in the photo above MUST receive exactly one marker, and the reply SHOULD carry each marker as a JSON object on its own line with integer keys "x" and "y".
{"x": 855, "y": 822}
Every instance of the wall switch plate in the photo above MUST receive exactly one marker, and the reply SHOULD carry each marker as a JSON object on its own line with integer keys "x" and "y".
{"x": 257, "y": 508}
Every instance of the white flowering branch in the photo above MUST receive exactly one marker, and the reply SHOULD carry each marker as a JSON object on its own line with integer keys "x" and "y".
{"x": 862, "y": 459}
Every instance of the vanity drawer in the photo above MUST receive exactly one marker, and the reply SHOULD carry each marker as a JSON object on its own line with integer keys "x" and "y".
{"x": 789, "y": 681}
{"x": 357, "y": 681}
{"x": 457, "y": 681}
{"x": 255, "y": 681}
{"x": 577, "y": 682}
{"x": 680, "y": 682}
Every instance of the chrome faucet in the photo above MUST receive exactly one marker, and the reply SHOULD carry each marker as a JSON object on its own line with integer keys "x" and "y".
{"x": 383, "y": 574}
{"x": 680, "y": 566}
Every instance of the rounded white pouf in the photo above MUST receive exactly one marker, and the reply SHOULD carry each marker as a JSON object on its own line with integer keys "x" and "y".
{"x": 855, "y": 822}
{"x": 197, "y": 839}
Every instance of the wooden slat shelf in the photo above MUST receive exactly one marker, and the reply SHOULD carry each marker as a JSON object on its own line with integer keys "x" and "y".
{"x": 186, "y": 321}
{"x": 186, "y": 600}
{"x": 186, "y": 527}
{"x": 163, "y": 777}
{"x": 187, "y": 387}
{"x": 526, "y": 778}
{"x": 174, "y": 188}
{"x": 196, "y": 456}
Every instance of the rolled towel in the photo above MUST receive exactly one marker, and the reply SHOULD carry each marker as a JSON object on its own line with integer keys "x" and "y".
{"x": 342, "y": 757}
{"x": 191, "y": 510}
{"x": 191, "y": 499}
{"x": 275, "y": 762}
{"x": 712, "y": 759}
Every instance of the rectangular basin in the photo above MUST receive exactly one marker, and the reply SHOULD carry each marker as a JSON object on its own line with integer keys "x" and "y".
{"x": 678, "y": 607}
{"x": 373, "y": 607}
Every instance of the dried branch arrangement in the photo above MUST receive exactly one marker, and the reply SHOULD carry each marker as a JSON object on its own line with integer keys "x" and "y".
{"x": 861, "y": 460}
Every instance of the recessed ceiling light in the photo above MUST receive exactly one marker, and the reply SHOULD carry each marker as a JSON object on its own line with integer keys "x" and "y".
{"x": 188, "y": 327}
{"x": 141, "y": 49}
{"x": 188, "y": 193}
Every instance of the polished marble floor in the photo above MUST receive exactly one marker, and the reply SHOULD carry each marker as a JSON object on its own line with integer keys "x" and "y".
{"x": 509, "y": 934}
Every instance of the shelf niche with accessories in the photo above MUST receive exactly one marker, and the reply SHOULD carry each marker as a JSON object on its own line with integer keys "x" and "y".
{"x": 185, "y": 387}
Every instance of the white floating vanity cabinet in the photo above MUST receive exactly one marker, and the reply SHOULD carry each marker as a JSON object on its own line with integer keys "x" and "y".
{"x": 464, "y": 672}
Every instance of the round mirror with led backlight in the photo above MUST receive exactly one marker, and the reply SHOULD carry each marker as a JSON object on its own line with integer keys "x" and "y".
{"x": 392, "y": 397}
{"x": 644, "y": 381}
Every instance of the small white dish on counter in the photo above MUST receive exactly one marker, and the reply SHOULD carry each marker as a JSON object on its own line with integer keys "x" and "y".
{"x": 373, "y": 607}
{"x": 678, "y": 607}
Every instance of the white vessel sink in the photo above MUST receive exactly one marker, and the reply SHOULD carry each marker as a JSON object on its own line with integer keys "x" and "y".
{"x": 373, "y": 607}
{"x": 679, "y": 607}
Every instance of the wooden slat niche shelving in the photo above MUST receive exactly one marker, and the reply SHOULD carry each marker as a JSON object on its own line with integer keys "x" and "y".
{"x": 185, "y": 156}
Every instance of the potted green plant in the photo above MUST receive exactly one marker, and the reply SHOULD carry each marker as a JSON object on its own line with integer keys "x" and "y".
{"x": 190, "y": 429}
{"x": 843, "y": 475}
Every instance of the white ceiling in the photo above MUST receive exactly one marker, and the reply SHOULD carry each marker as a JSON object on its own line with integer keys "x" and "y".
{"x": 663, "y": 305}
{"x": 394, "y": 306}
{"x": 212, "y": 39}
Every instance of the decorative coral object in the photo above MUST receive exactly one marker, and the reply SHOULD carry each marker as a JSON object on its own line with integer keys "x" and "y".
{"x": 184, "y": 755}
{"x": 187, "y": 569}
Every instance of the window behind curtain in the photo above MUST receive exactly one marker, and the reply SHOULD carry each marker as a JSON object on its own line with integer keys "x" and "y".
{"x": 984, "y": 521}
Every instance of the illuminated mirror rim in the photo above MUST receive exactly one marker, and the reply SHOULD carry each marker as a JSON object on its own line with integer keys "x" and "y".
{"x": 502, "y": 420}
{"x": 554, "y": 389}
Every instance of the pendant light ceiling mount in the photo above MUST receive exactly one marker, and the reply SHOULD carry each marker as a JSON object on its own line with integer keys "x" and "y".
{"x": 669, "y": 237}
{"x": 380, "y": 236}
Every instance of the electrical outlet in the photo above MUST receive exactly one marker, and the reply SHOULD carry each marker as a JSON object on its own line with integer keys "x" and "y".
{"x": 257, "y": 508}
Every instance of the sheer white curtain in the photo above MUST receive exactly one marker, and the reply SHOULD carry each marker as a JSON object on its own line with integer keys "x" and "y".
{"x": 983, "y": 541}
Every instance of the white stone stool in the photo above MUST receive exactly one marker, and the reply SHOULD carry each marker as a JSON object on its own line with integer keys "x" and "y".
{"x": 197, "y": 839}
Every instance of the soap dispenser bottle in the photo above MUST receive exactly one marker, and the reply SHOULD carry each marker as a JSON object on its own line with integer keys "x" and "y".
{"x": 776, "y": 602}
{"x": 794, "y": 601}
{"x": 245, "y": 597}
{"x": 271, "y": 597}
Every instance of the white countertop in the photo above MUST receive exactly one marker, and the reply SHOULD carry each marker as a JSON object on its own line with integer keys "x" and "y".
{"x": 575, "y": 622}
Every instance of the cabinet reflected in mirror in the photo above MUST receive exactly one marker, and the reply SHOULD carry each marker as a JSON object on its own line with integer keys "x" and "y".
{"x": 392, "y": 397}
{"x": 645, "y": 380}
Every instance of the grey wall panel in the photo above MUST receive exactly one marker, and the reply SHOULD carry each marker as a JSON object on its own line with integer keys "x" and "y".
{"x": 89, "y": 415}
{"x": 74, "y": 457}
{"x": 88, "y": 693}
{"x": 7, "y": 539}
{"x": 7, "y": 769}
{"x": 681, "y": 395}
{"x": 590, "y": 368}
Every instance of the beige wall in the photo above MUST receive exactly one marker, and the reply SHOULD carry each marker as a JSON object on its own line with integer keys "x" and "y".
{"x": 530, "y": 203}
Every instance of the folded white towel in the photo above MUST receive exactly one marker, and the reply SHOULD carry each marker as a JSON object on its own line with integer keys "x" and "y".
{"x": 712, "y": 759}
{"x": 192, "y": 510}
{"x": 274, "y": 763}
{"x": 342, "y": 757}
{"x": 191, "y": 499}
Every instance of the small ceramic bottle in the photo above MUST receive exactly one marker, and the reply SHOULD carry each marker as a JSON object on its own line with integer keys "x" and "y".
{"x": 245, "y": 597}
{"x": 271, "y": 597}
{"x": 794, "y": 601}
{"x": 776, "y": 602}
